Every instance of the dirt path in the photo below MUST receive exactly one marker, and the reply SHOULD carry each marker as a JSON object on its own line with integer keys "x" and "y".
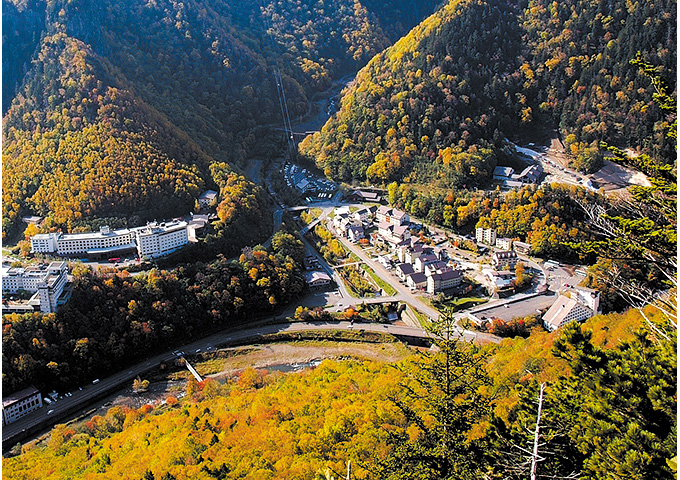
{"x": 556, "y": 152}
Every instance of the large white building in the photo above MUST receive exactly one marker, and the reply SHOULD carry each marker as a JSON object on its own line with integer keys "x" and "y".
{"x": 159, "y": 239}
{"x": 47, "y": 282}
{"x": 19, "y": 404}
{"x": 105, "y": 241}
{"x": 485, "y": 235}
{"x": 45, "y": 242}
{"x": 152, "y": 240}
{"x": 67, "y": 244}
{"x": 572, "y": 305}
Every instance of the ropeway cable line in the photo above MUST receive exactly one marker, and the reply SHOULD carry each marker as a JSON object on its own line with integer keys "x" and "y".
{"x": 281, "y": 93}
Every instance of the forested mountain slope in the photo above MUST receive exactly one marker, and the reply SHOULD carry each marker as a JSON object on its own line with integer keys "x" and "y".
{"x": 581, "y": 52}
{"x": 76, "y": 145}
{"x": 438, "y": 104}
{"x": 126, "y": 104}
{"x": 22, "y": 25}
{"x": 608, "y": 406}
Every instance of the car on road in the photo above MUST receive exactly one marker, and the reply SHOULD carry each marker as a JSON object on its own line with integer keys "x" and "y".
{"x": 198, "y": 350}
{"x": 50, "y": 412}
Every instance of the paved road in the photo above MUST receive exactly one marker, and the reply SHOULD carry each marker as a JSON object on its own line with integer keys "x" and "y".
{"x": 321, "y": 107}
{"x": 331, "y": 272}
{"x": 404, "y": 293}
{"x": 278, "y": 218}
{"x": 68, "y": 407}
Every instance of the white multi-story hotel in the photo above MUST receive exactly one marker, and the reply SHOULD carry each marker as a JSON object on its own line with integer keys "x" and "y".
{"x": 46, "y": 282}
{"x": 19, "y": 404}
{"x": 485, "y": 235}
{"x": 103, "y": 241}
{"x": 156, "y": 240}
{"x": 573, "y": 304}
{"x": 45, "y": 242}
{"x": 153, "y": 240}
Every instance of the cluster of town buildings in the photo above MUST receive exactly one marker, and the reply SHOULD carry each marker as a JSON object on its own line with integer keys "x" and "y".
{"x": 572, "y": 303}
{"x": 307, "y": 183}
{"x": 352, "y": 225}
{"x": 427, "y": 268}
{"x": 393, "y": 225}
{"x": 47, "y": 284}
{"x": 421, "y": 267}
{"x": 149, "y": 241}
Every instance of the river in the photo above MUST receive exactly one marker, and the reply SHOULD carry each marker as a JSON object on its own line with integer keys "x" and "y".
{"x": 321, "y": 110}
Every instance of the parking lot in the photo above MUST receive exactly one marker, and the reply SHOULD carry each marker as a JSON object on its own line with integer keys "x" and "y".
{"x": 315, "y": 188}
{"x": 312, "y": 263}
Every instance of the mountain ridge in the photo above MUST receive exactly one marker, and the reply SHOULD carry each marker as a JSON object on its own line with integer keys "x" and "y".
{"x": 202, "y": 78}
{"x": 460, "y": 81}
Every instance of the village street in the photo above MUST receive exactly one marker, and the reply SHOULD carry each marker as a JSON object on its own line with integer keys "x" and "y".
{"x": 404, "y": 294}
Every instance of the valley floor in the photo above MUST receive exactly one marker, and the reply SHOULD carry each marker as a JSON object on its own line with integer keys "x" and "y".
{"x": 225, "y": 363}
